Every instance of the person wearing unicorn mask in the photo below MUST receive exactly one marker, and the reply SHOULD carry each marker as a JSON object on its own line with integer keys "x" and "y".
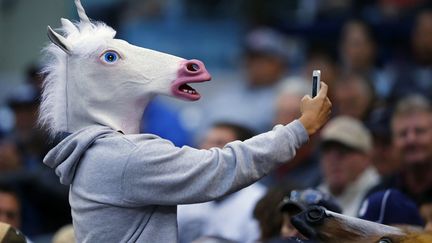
{"x": 125, "y": 186}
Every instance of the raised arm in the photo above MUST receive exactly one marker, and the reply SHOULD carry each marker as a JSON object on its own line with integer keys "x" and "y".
{"x": 159, "y": 173}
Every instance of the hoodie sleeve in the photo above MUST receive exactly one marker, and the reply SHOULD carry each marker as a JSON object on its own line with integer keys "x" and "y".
{"x": 159, "y": 173}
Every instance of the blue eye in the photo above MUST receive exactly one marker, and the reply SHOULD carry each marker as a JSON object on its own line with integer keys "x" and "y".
{"x": 110, "y": 57}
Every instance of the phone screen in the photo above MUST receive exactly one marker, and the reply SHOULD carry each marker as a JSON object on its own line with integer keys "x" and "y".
{"x": 314, "y": 86}
{"x": 315, "y": 82}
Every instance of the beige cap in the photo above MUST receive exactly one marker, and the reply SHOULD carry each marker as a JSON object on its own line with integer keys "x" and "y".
{"x": 348, "y": 131}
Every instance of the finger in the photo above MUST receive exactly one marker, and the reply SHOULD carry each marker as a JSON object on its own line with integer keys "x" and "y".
{"x": 323, "y": 90}
{"x": 328, "y": 102}
{"x": 306, "y": 97}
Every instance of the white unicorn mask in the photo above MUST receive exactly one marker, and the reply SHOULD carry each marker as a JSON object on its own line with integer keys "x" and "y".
{"x": 94, "y": 78}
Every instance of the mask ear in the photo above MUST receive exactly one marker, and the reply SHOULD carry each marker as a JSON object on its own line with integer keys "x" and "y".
{"x": 59, "y": 40}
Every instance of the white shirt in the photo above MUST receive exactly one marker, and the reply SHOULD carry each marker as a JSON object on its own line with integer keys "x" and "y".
{"x": 351, "y": 198}
{"x": 230, "y": 218}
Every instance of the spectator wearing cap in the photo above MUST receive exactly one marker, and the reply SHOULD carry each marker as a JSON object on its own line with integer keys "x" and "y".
{"x": 390, "y": 207}
{"x": 249, "y": 100}
{"x": 346, "y": 164}
{"x": 266, "y": 56}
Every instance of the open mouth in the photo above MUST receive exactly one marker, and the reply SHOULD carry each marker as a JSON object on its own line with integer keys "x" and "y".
{"x": 191, "y": 72}
{"x": 188, "y": 92}
{"x": 184, "y": 91}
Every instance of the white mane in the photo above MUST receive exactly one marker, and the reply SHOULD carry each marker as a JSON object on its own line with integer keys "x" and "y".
{"x": 85, "y": 37}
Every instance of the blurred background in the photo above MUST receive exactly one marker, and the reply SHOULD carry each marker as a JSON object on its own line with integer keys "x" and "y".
{"x": 261, "y": 54}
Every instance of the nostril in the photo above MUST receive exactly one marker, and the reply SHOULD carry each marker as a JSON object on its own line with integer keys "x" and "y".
{"x": 315, "y": 215}
{"x": 193, "y": 67}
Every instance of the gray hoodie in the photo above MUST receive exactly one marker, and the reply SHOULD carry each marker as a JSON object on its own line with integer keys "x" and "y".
{"x": 126, "y": 188}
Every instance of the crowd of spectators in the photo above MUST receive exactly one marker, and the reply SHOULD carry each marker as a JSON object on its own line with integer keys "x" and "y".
{"x": 376, "y": 57}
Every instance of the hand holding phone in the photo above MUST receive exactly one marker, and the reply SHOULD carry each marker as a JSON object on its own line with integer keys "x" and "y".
{"x": 315, "y": 110}
{"x": 316, "y": 81}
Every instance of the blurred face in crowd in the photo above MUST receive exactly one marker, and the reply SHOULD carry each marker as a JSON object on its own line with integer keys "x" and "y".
{"x": 263, "y": 69}
{"x": 9, "y": 209}
{"x": 10, "y": 159}
{"x": 322, "y": 62}
{"x": 218, "y": 137}
{"x": 357, "y": 47}
{"x": 352, "y": 97}
{"x": 26, "y": 128}
{"x": 341, "y": 165}
{"x": 422, "y": 38}
{"x": 287, "y": 108}
{"x": 26, "y": 116}
{"x": 383, "y": 156}
{"x": 412, "y": 137}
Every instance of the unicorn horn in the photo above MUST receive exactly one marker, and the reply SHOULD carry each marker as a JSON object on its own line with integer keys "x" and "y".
{"x": 81, "y": 12}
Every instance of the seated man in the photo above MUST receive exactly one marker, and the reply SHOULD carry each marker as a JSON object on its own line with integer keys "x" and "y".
{"x": 346, "y": 162}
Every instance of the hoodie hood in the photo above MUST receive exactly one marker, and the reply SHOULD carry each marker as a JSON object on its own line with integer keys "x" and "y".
{"x": 65, "y": 157}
